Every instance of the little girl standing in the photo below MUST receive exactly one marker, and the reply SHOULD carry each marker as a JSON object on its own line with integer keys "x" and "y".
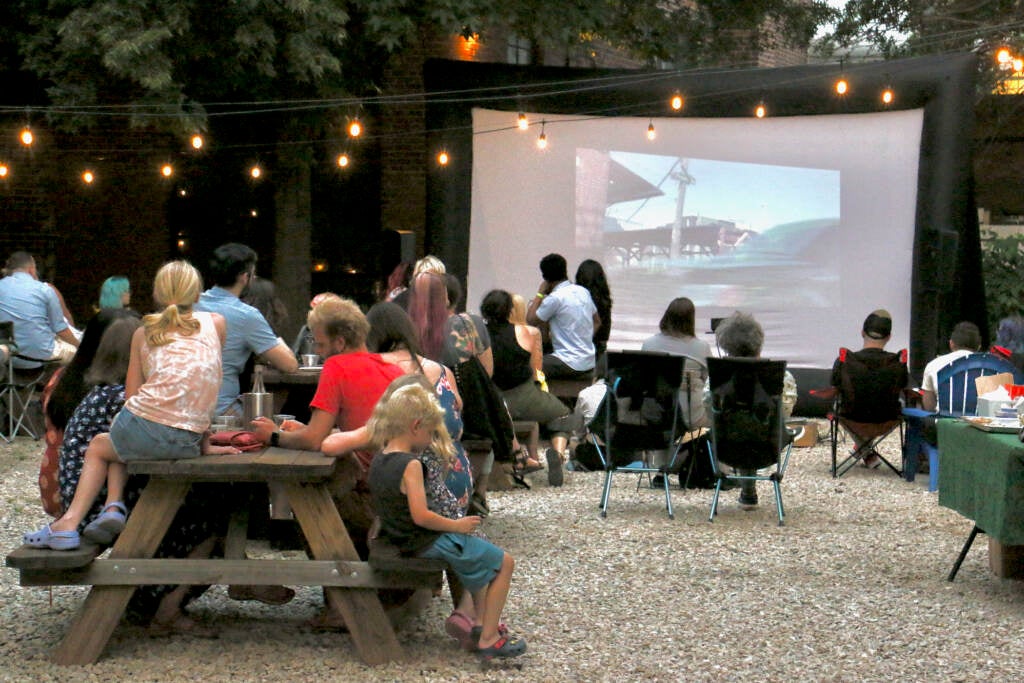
{"x": 174, "y": 374}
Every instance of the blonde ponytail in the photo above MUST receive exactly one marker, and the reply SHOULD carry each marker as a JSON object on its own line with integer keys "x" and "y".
{"x": 177, "y": 285}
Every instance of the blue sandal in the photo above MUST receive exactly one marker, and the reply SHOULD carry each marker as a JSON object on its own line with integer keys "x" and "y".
{"x": 107, "y": 525}
{"x": 506, "y": 646}
{"x": 54, "y": 540}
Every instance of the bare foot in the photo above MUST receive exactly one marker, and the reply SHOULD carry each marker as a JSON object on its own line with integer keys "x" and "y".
{"x": 181, "y": 624}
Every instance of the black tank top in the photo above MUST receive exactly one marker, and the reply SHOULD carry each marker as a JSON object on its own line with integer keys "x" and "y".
{"x": 511, "y": 361}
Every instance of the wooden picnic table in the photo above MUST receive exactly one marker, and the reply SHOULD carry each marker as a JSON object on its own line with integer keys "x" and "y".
{"x": 350, "y": 584}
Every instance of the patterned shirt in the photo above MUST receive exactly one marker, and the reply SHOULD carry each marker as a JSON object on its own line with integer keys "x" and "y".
{"x": 181, "y": 379}
{"x": 91, "y": 417}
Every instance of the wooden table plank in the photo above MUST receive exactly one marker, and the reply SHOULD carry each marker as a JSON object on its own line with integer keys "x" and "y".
{"x": 214, "y": 572}
{"x": 328, "y": 539}
{"x": 104, "y": 606}
{"x": 271, "y": 464}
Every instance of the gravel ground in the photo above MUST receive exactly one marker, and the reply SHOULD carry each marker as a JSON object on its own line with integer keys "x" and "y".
{"x": 852, "y": 589}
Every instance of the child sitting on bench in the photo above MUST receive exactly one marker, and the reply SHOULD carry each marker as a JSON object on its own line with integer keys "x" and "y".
{"x": 404, "y": 425}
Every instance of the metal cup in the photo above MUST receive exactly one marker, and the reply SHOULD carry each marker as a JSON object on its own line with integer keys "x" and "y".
{"x": 310, "y": 359}
{"x": 256, "y": 405}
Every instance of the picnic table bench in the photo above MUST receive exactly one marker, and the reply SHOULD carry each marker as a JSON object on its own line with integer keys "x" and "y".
{"x": 350, "y": 584}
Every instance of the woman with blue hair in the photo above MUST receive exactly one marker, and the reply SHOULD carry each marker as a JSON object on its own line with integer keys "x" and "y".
{"x": 115, "y": 292}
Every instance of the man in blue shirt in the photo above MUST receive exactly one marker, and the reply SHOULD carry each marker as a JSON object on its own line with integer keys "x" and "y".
{"x": 40, "y": 330}
{"x": 571, "y": 317}
{"x": 233, "y": 267}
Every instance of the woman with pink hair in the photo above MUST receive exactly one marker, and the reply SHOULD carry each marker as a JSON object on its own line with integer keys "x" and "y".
{"x": 428, "y": 309}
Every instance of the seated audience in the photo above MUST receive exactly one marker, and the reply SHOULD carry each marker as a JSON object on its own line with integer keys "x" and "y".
{"x": 517, "y": 357}
{"x": 1010, "y": 340}
{"x": 964, "y": 340}
{"x": 678, "y": 337}
{"x": 233, "y": 267}
{"x": 61, "y": 395}
{"x": 876, "y": 332}
{"x": 465, "y": 333}
{"x": 740, "y": 336}
{"x": 115, "y": 292}
{"x": 571, "y": 317}
{"x": 41, "y": 329}
{"x": 402, "y": 428}
{"x": 590, "y": 275}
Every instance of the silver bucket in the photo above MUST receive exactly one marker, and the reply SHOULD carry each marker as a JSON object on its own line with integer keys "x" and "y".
{"x": 256, "y": 405}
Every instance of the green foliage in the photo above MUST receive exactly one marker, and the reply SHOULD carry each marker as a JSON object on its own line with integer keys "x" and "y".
{"x": 1002, "y": 262}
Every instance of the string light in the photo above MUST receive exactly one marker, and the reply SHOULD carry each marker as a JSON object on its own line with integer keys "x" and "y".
{"x": 650, "y": 131}
{"x": 26, "y": 136}
{"x": 842, "y": 86}
{"x": 88, "y": 177}
{"x": 182, "y": 244}
{"x": 1018, "y": 64}
{"x": 320, "y": 266}
{"x": 676, "y": 102}
{"x": 256, "y": 172}
{"x": 166, "y": 170}
{"x": 1003, "y": 55}
{"x": 522, "y": 121}
{"x": 197, "y": 141}
{"x": 760, "y": 111}
{"x": 888, "y": 96}
{"x": 355, "y": 129}
{"x": 542, "y": 141}
{"x": 254, "y": 213}
{"x": 343, "y": 160}
{"x": 183, "y": 192}
{"x": 4, "y": 170}
{"x": 443, "y": 158}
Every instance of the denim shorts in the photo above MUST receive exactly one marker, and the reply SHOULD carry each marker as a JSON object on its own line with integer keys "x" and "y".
{"x": 135, "y": 438}
{"x": 474, "y": 560}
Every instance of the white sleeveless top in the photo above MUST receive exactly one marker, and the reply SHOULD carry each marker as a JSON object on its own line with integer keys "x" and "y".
{"x": 181, "y": 379}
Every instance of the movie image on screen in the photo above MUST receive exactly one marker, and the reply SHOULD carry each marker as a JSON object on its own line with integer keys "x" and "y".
{"x": 721, "y": 233}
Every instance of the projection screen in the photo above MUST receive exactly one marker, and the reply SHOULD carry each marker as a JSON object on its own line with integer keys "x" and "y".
{"x": 807, "y": 222}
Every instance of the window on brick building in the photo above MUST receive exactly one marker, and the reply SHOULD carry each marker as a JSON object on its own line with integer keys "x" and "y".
{"x": 518, "y": 49}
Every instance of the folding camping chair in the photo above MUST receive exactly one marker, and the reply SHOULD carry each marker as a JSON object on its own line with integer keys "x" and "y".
{"x": 866, "y": 404}
{"x": 748, "y": 433}
{"x": 20, "y": 388}
{"x": 957, "y": 395}
{"x": 641, "y": 411}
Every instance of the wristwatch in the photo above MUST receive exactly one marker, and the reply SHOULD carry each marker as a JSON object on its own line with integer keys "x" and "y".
{"x": 275, "y": 438}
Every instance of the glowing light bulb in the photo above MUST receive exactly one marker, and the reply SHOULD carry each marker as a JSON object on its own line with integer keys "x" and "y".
{"x": 166, "y": 170}
{"x": 1003, "y": 55}
{"x": 254, "y": 213}
{"x": 1018, "y": 64}
{"x": 182, "y": 244}
{"x": 343, "y": 160}
{"x": 355, "y": 129}
{"x": 255, "y": 172}
{"x": 183, "y": 192}
{"x": 88, "y": 177}
{"x": 197, "y": 141}
{"x": 760, "y": 112}
{"x": 26, "y": 136}
{"x": 887, "y": 96}
{"x": 4, "y": 170}
{"x": 443, "y": 158}
{"x": 542, "y": 141}
{"x": 650, "y": 131}
{"x": 522, "y": 121}
{"x": 842, "y": 86}
{"x": 676, "y": 102}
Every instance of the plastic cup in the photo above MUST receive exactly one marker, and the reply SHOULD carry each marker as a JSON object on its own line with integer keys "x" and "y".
{"x": 279, "y": 419}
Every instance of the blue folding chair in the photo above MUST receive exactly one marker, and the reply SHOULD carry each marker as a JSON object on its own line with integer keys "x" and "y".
{"x": 957, "y": 395}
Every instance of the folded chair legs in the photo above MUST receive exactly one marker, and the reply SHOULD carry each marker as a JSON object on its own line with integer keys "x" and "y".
{"x": 963, "y": 553}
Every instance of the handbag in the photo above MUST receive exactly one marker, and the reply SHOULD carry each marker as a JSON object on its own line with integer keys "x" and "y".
{"x": 240, "y": 439}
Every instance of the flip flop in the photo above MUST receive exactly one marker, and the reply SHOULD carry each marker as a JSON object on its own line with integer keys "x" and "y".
{"x": 54, "y": 540}
{"x": 506, "y": 646}
{"x": 107, "y": 525}
{"x": 555, "y": 475}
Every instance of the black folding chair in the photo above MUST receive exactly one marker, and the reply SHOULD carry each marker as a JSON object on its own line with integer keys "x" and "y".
{"x": 748, "y": 433}
{"x": 640, "y": 412}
